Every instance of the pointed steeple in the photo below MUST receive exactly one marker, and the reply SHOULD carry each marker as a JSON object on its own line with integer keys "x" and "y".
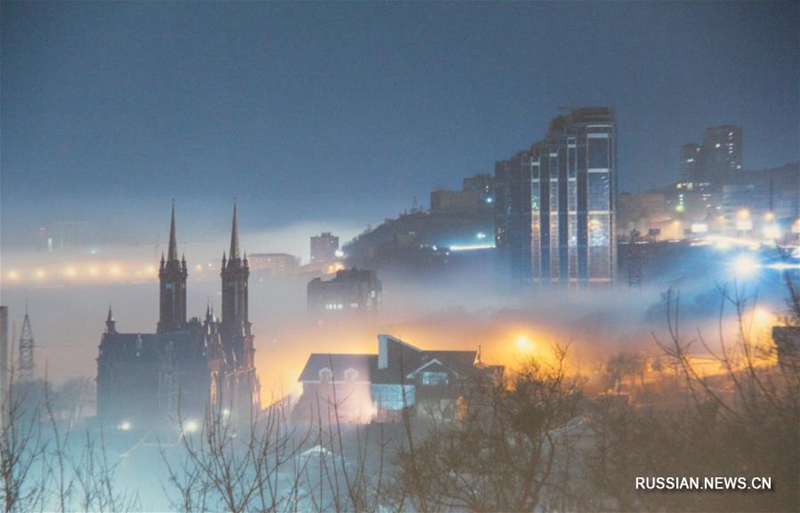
{"x": 234, "y": 253}
{"x": 172, "y": 253}
{"x": 110, "y": 324}
{"x": 172, "y": 278}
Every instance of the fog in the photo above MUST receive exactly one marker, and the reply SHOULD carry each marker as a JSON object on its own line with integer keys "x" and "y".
{"x": 455, "y": 309}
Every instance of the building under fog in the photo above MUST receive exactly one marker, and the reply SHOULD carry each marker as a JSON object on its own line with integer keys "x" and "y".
{"x": 185, "y": 368}
{"x": 276, "y": 264}
{"x": 361, "y": 388}
{"x": 555, "y": 203}
{"x": 324, "y": 248}
{"x": 353, "y": 291}
{"x": 762, "y": 199}
{"x": 704, "y": 170}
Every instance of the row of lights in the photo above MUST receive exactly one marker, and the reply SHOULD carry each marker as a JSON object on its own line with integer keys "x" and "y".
{"x": 88, "y": 272}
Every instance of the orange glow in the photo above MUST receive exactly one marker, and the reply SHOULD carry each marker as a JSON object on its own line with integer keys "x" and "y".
{"x": 524, "y": 345}
{"x": 334, "y": 268}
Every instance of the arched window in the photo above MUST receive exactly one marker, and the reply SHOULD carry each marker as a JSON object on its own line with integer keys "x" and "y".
{"x": 325, "y": 375}
{"x": 213, "y": 392}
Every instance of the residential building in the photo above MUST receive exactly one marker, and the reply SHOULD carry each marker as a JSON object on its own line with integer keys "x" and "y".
{"x": 555, "y": 203}
{"x": 324, "y": 248}
{"x": 641, "y": 213}
{"x": 351, "y": 291}
{"x": 380, "y": 387}
{"x": 722, "y": 152}
{"x": 768, "y": 201}
{"x": 691, "y": 163}
{"x": 276, "y": 264}
{"x": 483, "y": 185}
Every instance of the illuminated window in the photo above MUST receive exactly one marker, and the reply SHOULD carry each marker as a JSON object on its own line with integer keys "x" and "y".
{"x": 434, "y": 378}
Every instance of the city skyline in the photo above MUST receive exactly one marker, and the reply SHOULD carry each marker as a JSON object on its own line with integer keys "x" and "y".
{"x": 111, "y": 110}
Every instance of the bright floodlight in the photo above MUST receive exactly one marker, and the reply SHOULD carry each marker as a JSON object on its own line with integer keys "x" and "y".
{"x": 191, "y": 426}
{"x": 772, "y": 232}
{"x": 124, "y": 426}
{"x": 745, "y": 265}
{"x": 524, "y": 344}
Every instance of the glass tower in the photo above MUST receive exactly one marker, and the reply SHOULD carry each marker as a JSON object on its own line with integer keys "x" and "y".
{"x": 555, "y": 204}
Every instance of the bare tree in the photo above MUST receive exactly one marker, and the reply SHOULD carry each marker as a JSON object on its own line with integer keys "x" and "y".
{"x": 44, "y": 467}
{"x": 743, "y": 420}
{"x": 502, "y": 454}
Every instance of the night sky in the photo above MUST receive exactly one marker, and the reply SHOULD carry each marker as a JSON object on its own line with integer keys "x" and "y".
{"x": 347, "y": 111}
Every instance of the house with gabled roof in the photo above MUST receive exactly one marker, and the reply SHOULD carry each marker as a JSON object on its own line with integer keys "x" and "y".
{"x": 360, "y": 388}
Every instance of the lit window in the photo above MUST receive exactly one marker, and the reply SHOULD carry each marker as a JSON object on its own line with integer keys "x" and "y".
{"x": 434, "y": 378}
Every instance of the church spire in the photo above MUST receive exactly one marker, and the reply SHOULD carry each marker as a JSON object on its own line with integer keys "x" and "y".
{"x": 234, "y": 274}
{"x": 110, "y": 324}
{"x": 172, "y": 278}
{"x": 172, "y": 253}
{"x": 234, "y": 253}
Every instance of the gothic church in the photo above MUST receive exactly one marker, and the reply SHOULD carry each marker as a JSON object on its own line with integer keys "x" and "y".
{"x": 186, "y": 369}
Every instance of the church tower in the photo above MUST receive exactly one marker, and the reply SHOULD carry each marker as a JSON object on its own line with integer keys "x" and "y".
{"x": 172, "y": 277}
{"x": 235, "y": 321}
{"x": 235, "y": 273}
{"x": 241, "y": 389}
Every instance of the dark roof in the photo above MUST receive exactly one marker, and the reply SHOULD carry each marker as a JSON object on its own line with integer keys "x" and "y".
{"x": 405, "y": 359}
{"x": 184, "y": 346}
{"x": 338, "y": 364}
{"x": 455, "y": 360}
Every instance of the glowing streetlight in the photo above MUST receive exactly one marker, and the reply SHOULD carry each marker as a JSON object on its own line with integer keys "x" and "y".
{"x": 772, "y": 232}
{"x": 191, "y": 426}
{"x": 745, "y": 265}
{"x": 524, "y": 344}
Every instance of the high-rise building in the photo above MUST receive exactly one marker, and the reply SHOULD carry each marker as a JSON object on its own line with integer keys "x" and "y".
{"x": 324, "y": 248}
{"x": 722, "y": 152}
{"x": 555, "y": 203}
{"x": 704, "y": 170}
{"x": 690, "y": 163}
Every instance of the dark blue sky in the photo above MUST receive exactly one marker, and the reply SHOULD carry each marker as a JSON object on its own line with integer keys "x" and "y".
{"x": 346, "y": 111}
